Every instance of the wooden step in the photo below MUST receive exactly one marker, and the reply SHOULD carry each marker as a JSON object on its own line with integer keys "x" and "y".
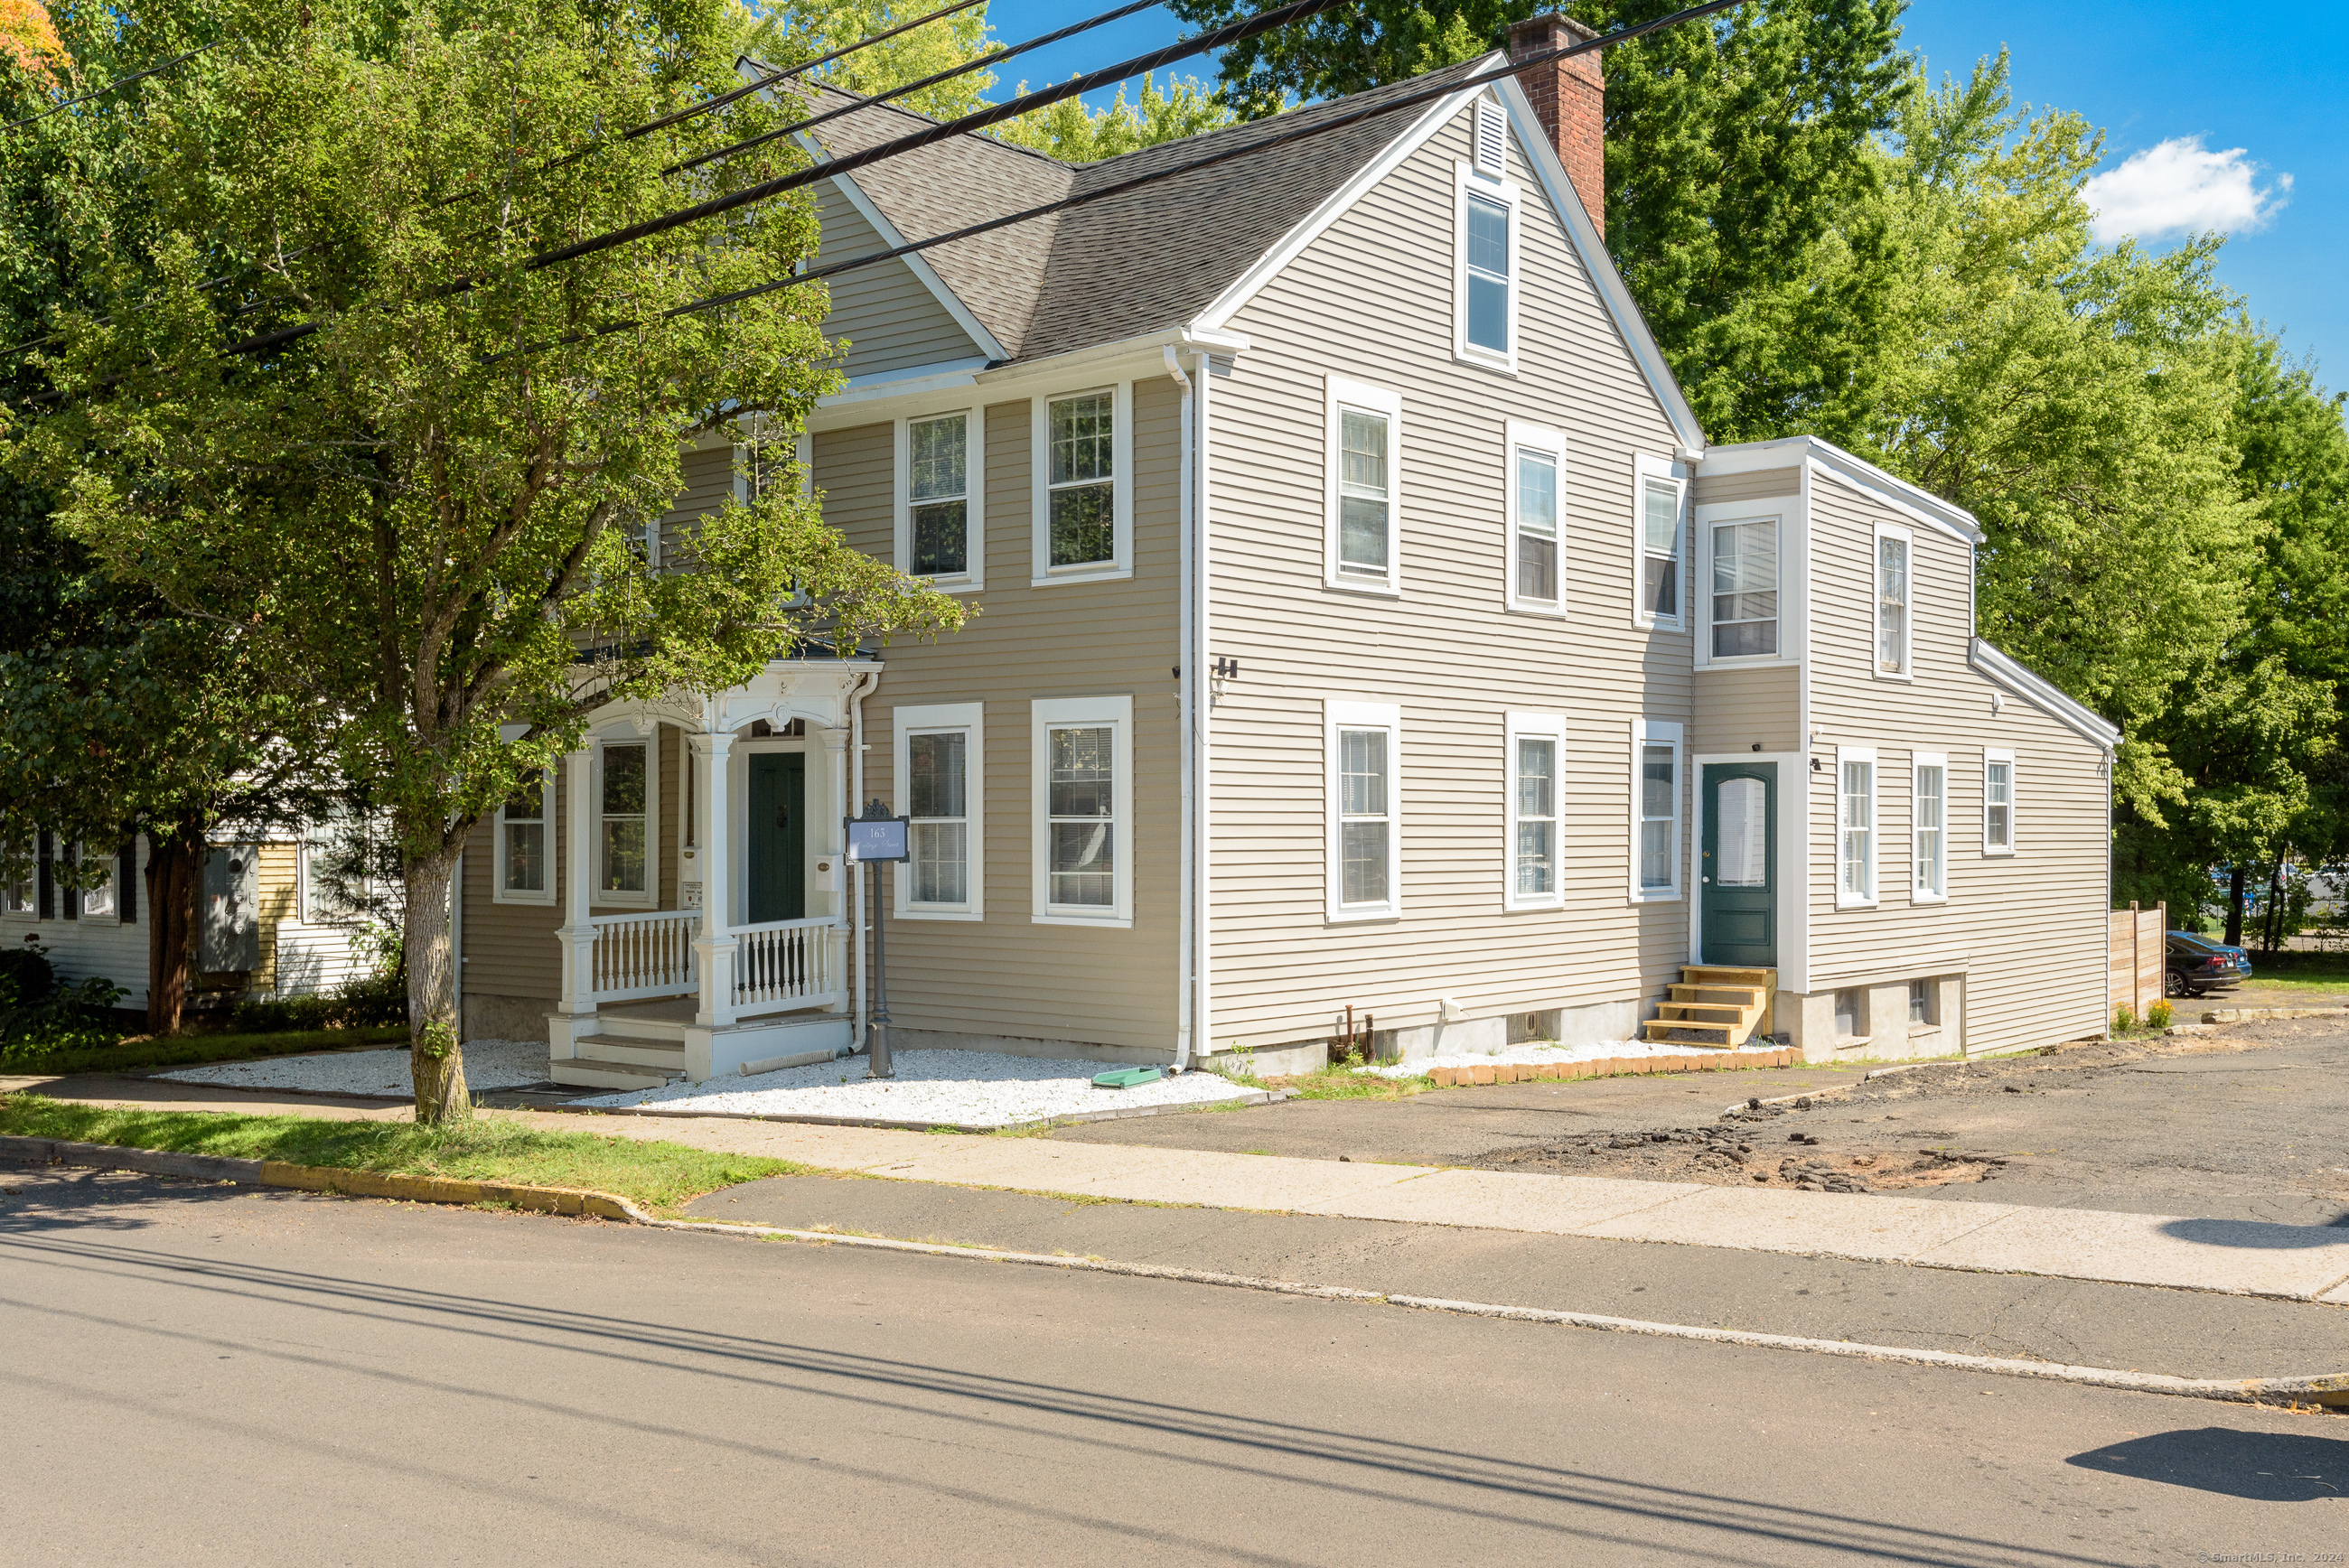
{"x": 1702, "y": 1013}
{"x": 589, "y": 1072}
{"x": 1727, "y": 996}
{"x": 1681, "y": 1033}
{"x": 1721, "y": 975}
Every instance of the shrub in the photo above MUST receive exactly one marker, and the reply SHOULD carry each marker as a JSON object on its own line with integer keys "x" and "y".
{"x": 2157, "y": 1017}
{"x": 2124, "y": 1019}
{"x": 27, "y": 977}
{"x": 78, "y": 1017}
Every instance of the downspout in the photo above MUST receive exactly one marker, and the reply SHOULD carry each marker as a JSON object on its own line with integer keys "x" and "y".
{"x": 854, "y": 804}
{"x": 1186, "y": 675}
{"x": 1197, "y": 694}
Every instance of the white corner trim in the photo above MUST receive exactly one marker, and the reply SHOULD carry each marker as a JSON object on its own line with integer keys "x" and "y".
{"x": 916, "y": 263}
{"x": 2042, "y": 694}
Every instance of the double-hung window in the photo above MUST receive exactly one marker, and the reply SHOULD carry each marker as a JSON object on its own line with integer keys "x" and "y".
{"x": 1536, "y": 743}
{"x": 1083, "y": 496}
{"x": 1484, "y": 282}
{"x": 16, "y": 883}
{"x": 940, "y": 762}
{"x": 1365, "y": 848}
{"x": 1364, "y": 458}
{"x": 523, "y": 874}
{"x": 1536, "y": 461}
{"x": 1892, "y": 616}
{"x": 1661, "y": 495}
{"x": 1655, "y": 809}
{"x": 1855, "y": 825}
{"x": 1745, "y": 589}
{"x": 1083, "y": 825}
{"x": 333, "y": 873}
{"x": 1928, "y": 823}
{"x": 939, "y": 490}
{"x": 96, "y": 897}
{"x": 1997, "y": 802}
{"x": 623, "y": 801}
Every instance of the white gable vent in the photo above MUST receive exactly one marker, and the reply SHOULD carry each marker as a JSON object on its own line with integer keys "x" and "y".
{"x": 1492, "y": 137}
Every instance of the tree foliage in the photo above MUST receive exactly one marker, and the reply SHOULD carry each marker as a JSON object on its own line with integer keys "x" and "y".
{"x": 425, "y": 515}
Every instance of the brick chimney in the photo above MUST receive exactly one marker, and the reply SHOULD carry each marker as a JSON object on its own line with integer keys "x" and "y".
{"x": 1570, "y": 96}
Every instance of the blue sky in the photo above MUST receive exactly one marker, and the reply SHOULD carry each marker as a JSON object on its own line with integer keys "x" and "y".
{"x": 2177, "y": 88}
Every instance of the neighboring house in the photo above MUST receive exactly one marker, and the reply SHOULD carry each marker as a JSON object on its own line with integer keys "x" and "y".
{"x": 270, "y": 926}
{"x": 1363, "y": 622}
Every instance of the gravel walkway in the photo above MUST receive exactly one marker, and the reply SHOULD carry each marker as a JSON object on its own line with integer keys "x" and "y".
{"x": 489, "y": 1065}
{"x": 1538, "y": 1052}
{"x": 961, "y": 1089}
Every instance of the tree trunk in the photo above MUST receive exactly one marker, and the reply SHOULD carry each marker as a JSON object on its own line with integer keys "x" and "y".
{"x": 2272, "y": 929}
{"x": 2235, "y": 904}
{"x": 436, "y": 1057}
{"x": 174, "y": 862}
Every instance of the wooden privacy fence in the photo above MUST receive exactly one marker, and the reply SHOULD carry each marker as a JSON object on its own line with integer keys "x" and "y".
{"x": 2134, "y": 945}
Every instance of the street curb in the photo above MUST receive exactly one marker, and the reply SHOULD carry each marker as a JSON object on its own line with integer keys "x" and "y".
{"x": 2250, "y": 1014}
{"x": 2331, "y": 1389}
{"x": 321, "y": 1178}
{"x": 1610, "y": 1067}
{"x": 1070, "y": 1118}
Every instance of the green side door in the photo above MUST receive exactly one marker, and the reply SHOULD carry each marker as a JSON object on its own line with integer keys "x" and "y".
{"x": 777, "y": 868}
{"x": 1739, "y": 864}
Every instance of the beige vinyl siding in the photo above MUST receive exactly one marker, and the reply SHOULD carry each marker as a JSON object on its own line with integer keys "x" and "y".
{"x": 884, "y": 315}
{"x": 2027, "y": 931}
{"x": 509, "y": 948}
{"x": 1763, "y": 484}
{"x": 1006, "y": 975}
{"x": 1447, "y": 652}
{"x": 1739, "y": 706}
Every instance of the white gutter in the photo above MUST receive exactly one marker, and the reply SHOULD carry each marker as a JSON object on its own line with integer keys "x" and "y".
{"x": 1192, "y": 689}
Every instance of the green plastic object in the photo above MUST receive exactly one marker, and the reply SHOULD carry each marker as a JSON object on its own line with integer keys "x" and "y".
{"x": 1127, "y": 1078}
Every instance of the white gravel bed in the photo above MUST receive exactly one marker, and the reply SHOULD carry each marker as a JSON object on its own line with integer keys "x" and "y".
{"x": 1540, "y": 1051}
{"x": 489, "y": 1065}
{"x": 962, "y": 1088}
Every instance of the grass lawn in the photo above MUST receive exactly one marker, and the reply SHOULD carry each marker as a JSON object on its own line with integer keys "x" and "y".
{"x": 144, "y": 1051}
{"x": 661, "y": 1177}
{"x": 1339, "y": 1083}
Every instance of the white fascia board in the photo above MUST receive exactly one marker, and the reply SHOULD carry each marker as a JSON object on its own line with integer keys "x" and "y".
{"x": 2042, "y": 694}
{"x": 915, "y": 381}
{"x": 916, "y": 262}
{"x": 1143, "y": 346}
{"x": 1747, "y": 456}
{"x": 1612, "y": 292}
{"x": 1251, "y": 283}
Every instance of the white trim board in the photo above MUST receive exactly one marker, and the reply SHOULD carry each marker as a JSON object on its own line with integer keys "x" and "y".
{"x": 2038, "y": 691}
{"x": 916, "y": 263}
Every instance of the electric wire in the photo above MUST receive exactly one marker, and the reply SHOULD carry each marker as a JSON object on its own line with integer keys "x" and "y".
{"x": 993, "y": 58}
{"x": 116, "y": 82}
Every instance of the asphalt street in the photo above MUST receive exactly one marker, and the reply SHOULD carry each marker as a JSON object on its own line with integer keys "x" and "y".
{"x": 208, "y": 1374}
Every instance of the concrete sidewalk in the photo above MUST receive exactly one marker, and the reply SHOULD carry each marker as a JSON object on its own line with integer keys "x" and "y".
{"x": 2292, "y": 1263}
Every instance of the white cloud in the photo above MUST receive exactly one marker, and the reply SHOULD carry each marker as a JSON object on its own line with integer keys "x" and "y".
{"x": 2179, "y": 187}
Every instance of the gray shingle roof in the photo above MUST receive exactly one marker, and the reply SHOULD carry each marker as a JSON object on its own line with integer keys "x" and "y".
{"x": 1128, "y": 264}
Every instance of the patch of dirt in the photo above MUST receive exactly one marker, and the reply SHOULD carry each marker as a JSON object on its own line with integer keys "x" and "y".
{"x": 1746, "y": 1154}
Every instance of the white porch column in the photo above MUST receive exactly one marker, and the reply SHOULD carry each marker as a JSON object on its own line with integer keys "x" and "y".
{"x": 577, "y": 824}
{"x": 835, "y": 851}
{"x": 713, "y": 822}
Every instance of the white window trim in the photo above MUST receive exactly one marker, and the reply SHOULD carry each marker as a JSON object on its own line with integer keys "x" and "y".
{"x": 1339, "y": 392}
{"x": 1043, "y": 574}
{"x": 1545, "y": 439}
{"x": 1467, "y": 178}
{"x": 1994, "y": 754}
{"x": 1844, "y": 897}
{"x": 1710, "y": 515}
{"x": 1918, "y": 762}
{"x": 548, "y": 789}
{"x": 974, "y": 503}
{"x": 1908, "y": 670}
{"x": 1644, "y": 469}
{"x": 1043, "y": 714}
{"x": 1542, "y": 723}
{"x": 970, "y": 718}
{"x": 600, "y": 896}
{"x": 1337, "y": 716}
{"x": 1647, "y": 732}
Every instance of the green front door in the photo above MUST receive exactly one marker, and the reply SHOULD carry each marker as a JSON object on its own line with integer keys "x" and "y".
{"x": 777, "y": 870}
{"x": 1739, "y": 864}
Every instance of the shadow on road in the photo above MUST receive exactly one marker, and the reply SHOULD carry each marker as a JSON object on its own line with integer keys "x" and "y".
{"x": 2262, "y": 1467}
{"x": 2253, "y": 1235}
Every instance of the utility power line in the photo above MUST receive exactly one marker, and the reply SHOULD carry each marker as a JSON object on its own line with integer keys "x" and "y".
{"x": 116, "y": 82}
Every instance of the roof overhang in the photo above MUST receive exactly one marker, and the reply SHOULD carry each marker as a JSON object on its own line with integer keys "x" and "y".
{"x": 2042, "y": 694}
{"x": 1831, "y": 461}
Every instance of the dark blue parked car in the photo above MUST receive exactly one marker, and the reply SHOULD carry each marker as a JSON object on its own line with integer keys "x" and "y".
{"x": 2197, "y": 966}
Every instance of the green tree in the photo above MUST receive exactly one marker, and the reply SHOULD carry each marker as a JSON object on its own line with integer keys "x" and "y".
{"x": 1076, "y": 134}
{"x": 416, "y": 496}
{"x": 924, "y": 51}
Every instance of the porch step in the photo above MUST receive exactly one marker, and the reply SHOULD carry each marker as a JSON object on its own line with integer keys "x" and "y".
{"x": 588, "y": 1072}
{"x": 664, "y": 1056}
{"x": 1713, "y": 1006}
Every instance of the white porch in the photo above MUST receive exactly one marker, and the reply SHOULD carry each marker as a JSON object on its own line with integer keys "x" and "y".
{"x": 721, "y": 982}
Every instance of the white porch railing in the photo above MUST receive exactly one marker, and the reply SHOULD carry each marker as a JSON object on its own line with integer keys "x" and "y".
{"x": 638, "y": 955}
{"x": 785, "y": 962}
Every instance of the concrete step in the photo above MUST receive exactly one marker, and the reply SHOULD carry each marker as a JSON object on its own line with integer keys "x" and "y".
{"x": 590, "y": 1072}
{"x": 668, "y": 1056}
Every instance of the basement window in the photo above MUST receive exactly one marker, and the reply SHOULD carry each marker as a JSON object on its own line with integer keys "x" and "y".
{"x": 1850, "y": 1015}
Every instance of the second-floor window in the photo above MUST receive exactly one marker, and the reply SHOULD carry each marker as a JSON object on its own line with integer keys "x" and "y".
{"x": 1892, "y": 604}
{"x": 1488, "y": 243}
{"x": 1660, "y": 549}
{"x": 937, "y": 496}
{"x": 1081, "y": 444}
{"x": 1928, "y": 828}
{"x": 1997, "y": 802}
{"x": 1536, "y": 467}
{"x": 1365, "y": 470}
{"x": 1744, "y": 588}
